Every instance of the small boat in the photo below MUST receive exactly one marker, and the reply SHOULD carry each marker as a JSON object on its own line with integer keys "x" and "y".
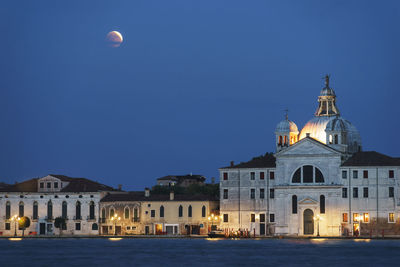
{"x": 216, "y": 234}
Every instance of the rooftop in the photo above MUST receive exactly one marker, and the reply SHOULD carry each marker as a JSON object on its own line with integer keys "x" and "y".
{"x": 265, "y": 161}
{"x": 371, "y": 158}
{"x": 140, "y": 196}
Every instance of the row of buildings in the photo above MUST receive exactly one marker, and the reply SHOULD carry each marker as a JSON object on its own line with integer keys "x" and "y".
{"x": 318, "y": 182}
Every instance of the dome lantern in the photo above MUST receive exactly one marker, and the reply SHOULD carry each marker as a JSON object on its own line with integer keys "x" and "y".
{"x": 286, "y": 133}
{"x": 327, "y": 101}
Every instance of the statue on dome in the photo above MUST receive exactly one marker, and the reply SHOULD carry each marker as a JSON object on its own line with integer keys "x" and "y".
{"x": 327, "y": 81}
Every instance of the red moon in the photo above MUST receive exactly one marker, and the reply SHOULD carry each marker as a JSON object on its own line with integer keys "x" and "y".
{"x": 114, "y": 38}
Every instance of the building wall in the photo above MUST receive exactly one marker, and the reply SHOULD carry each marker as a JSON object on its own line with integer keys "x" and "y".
{"x": 157, "y": 224}
{"x": 57, "y": 199}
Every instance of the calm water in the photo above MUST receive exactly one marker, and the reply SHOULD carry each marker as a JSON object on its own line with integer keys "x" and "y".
{"x": 197, "y": 252}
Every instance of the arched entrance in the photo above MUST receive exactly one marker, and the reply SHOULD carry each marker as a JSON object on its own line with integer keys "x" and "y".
{"x": 308, "y": 222}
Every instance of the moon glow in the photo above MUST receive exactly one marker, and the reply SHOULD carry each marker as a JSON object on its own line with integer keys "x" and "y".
{"x": 114, "y": 38}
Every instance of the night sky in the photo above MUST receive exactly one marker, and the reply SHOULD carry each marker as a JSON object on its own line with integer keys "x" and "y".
{"x": 194, "y": 85}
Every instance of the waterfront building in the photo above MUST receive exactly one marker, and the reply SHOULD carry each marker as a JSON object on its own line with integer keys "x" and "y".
{"x": 181, "y": 180}
{"x": 319, "y": 182}
{"x": 130, "y": 213}
{"x": 44, "y": 199}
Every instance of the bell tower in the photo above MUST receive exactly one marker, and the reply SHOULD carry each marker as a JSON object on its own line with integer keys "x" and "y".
{"x": 327, "y": 101}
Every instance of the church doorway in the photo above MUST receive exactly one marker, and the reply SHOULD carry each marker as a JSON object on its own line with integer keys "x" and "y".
{"x": 308, "y": 222}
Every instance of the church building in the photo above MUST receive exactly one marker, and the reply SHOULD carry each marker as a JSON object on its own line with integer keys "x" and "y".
{"x": 319, "y": 182}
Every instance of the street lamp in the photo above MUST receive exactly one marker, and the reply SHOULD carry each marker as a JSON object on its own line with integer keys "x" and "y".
{"x": 317, "y": 218}
{"x": 213, "y": 218}
{"x": 114, "y": 219}
{"x": 15, "y": 218}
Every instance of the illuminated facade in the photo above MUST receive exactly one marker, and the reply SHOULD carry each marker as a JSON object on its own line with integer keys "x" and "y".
{"x": 318, "y": 182}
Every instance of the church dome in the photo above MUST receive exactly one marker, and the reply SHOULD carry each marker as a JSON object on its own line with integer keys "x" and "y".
{"x": 341, "y": 125}
{"x": 316, "y": 128}
{"x": 286, "y": 126}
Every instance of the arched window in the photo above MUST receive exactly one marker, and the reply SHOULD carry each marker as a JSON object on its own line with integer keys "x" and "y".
{"x": 111, "y": 213}
{"x": 64, "y": 210}
{"x": 135, "y": 215}
{"x": 336, "y": 139}
{"x": 203, "y": 211}
{"x": 286, "y": 141}
{"x": 294, "y": 204}
{"x": 21, "y": 209}
{"x": 91, "y": 210}
{"x": 162, "y": 211}
{"x": 190, "y": 211}
{"x": 322, "y": 204}
{"x": 35, "y": 211}
{"x": 8, "y": 210}
{"x": 280, "y": 140}
{"x": 180, "y": 211}
{"x": 297, "y": 176}
{"x": 95, "y": 227}
{"x": 103, "y": 213}
{"x": 49, "y": 210}
{"x": 308, "y": 174}
{"x": 78, "y": 211}
{"x": 126, "y": 213}
{"x": 330, "y": 139}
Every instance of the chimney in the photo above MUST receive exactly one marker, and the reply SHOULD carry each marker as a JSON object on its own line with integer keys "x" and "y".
{"x": 171, "y": 195}
{"x": 120, "y": 187}
{"x": 232, "y": 163}
{"x": 212, "y": 180}
{"x": 146, "y": 192}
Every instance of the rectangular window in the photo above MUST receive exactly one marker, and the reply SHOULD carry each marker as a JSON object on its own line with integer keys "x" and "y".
{"x": 41, "y": 185}
{"x": 225, "y": 217}
{"x": 366, "y": 217}
{"x": 55, "y": 185}
{"x": 77, "y": 226}
{"x": 391, "y": 191}
{"x": 262, "y": 217}
{"x": 345, "y": 217}
{"x": 252, "y": 176}
{"x": 344, "y": 174}
{"x": 262, "y": 194}
{"x": 391, "y": 173}
{"x": 355, "y": 217}
{"x": 153, "y": 213}
{"x": 48, "y": 185}
{"x": 225, "y": 176}
{"x": 344, "y": 192}
{"x": 271, "y": 175}
{"x": 272, "y": 193}
{"x": 128, "y": 228}
{"x": 355, "y": 192}
{"x": 365, "y": 174}
{"x": 225, "y": 193}
{"x": 272, "y": 217}
{"x": 261, "y": 175}
{"x": 355, "y": 174}
{"x": 252, "y": 193}
{"x": 252, "y": 217}
{"x": 365, "y": 192}
{"x": 391, "y": 217}
{"x": 8, "y": 226}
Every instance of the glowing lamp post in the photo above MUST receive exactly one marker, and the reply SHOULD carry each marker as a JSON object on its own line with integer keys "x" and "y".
{"x": 16, "y": 219}
{"x": 114, "y": 219}
{"x": 317, "y": 218}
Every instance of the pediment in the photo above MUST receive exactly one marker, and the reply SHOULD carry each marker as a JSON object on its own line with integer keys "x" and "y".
{"x": 308, "y": 201}
{"x": 308, "y": 146}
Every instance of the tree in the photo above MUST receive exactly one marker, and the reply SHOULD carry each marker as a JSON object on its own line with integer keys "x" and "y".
{"x": 24, "y": 223}
{"x": 60, "y": 223}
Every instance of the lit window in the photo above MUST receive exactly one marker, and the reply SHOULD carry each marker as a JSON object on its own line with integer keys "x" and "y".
{"x": 391, "y": 217}
{"x": 345, "y": 217}
{"x": 366, "y": 217}
{"x": 355, "y": 217}
{"x": 252, "y": 176}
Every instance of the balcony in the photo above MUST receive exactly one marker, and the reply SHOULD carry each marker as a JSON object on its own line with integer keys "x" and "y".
{"x": 135, "y": 219}
{"x": 77, "y": 218}
{"x": 91, "y": 218}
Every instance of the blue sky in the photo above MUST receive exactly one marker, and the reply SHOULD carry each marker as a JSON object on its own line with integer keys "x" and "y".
{"x": 195, "y": 84}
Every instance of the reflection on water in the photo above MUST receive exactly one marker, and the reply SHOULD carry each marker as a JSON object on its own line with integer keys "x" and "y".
{"x": 115, "y": 238}
{"x": 15, "y": 239}
{"x": 199, "y": 252}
